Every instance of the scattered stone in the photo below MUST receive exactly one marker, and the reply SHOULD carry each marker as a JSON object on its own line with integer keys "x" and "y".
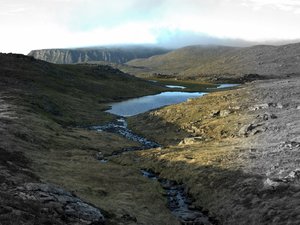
{"x": 245, "y": 129}
{"x": 224, "y": 113}
{"x": 235, "y": 107}
{"x": 249, "y": 129}
{"x": 215, "y": 113}
{"x": 270, "y": 183}
{"x": 293, "y": 175}
{"x": 279, "y": 106}
{"x": 276, "y": 105}
{"x": 273, "y": 116}
{"x": 191, "y": 140}
{"x": 99, "y": 156}
{"x": 267, "y": 116}
{"x": 260, "y": 106}
{"x": 290, "y": 144}
{"x": 221, "y": 113}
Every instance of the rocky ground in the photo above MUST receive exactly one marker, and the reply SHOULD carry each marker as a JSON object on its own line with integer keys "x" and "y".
{"x": 238, "y": 151}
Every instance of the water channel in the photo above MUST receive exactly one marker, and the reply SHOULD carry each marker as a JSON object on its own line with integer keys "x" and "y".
{"x": 179, "y": 201}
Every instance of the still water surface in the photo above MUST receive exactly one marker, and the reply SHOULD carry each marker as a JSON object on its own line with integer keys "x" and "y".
{"x": 136, "y": 106}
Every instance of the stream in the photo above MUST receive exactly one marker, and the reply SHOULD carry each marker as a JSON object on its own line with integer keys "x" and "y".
{"x": 179, "y": 202}
{"x": 120, "y": 127}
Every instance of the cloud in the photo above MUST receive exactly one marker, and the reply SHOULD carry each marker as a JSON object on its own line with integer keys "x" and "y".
{"x": 7, "y": 8}
{"x": 284, "y": 5}
{"x": 32, "y": 24}
{"x": 180, "y": 38}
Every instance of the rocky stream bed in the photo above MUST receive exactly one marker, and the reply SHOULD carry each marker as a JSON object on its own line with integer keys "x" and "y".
{"x": 179, "y": 201}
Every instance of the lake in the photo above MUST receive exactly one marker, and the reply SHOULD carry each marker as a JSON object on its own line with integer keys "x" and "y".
{"x": 143, "y": 104}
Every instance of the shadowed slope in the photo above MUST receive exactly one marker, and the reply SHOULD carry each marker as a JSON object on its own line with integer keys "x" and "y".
{"x": 69, "y": 93}
{"x": 39, "y": 103}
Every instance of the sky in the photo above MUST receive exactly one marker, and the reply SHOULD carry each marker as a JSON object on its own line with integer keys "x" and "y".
{"x": 38, "y": 24}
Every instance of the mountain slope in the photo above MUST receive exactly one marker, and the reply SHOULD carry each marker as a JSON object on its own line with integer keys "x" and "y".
{"x": 215, "y": 62}
{"x": 44, "y": 111}
{"x": 59, "y": 90}
{"x": 237, "y": 151}
{"x": 105, "y": 54}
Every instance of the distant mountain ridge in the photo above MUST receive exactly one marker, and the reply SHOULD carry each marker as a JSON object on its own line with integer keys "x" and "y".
{"x": 98, "y": 54}
{"x": 213, "y": 62}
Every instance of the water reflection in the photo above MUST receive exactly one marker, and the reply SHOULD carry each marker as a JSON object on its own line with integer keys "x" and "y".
{"x": 175, "y": 86}
{"x": 227, "y": 85}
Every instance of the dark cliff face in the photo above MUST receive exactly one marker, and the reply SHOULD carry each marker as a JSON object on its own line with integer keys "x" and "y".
{"x": 103, "y": 54}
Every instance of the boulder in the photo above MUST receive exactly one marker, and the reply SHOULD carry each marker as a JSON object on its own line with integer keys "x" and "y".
{"x": 191, "y": 140}
{"x": 224, "y": 113}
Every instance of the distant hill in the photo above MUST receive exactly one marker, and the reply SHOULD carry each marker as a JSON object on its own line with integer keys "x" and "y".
{"x": 69, "y": 93}
{"x": 98, "y": 54}
{"x": 220, "y": 62}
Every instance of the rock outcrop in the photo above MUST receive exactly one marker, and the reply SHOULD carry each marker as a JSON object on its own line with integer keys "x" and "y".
{"x": 61, "y": 202}
{"x": 98, "y": 54}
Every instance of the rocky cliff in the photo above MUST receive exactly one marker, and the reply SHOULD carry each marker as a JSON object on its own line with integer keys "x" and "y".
{"x": 104, "y": 54}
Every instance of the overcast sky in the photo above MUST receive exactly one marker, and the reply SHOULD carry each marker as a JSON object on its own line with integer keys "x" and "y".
{"x": 36, "y": 24}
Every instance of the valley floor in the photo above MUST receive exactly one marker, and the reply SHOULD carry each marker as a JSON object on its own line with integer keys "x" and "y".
{"x": 238, "y": 153}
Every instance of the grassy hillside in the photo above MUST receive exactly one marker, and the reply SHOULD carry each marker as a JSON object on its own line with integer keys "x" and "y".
{"x": 40, "y": 104}
{"x": 220, "y": 63}
{"x": 237, "y": 151}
